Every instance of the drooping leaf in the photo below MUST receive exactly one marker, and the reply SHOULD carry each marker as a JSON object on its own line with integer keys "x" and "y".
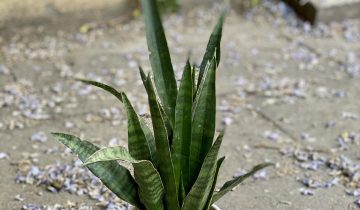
{"x": 160, "y": 58}
{"x": 132, "y": 121}
{"x": 109, "y": 154}
{"x": 166, "y": 167}
{"x": 114, "y": 176}
{"x": 108, "y": 88}
{"x": 151, "y": 189}
{"x": 200, "y": 191}
{"x": 203, "y": 121}
{"x": 182, "y": 140}
{"x": 218, "y": 165}
{"x": 139, "y": 147}
{"x": 228, "y": 186}
{"x": 212, "y": 47}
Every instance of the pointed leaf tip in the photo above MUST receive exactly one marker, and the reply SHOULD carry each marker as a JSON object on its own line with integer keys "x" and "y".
{"x": 181, "y": 145}
{"x": 105, "y": 87}
{"x": 213, "y": 48}
{"x": 203, "y": 120}
{"x": 160, "y": 59}
{"x": 229, "y": 185}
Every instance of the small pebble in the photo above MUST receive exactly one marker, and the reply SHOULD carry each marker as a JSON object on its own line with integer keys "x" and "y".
{"x": 227, "y": 121}
{"x": 261, "y": 175}
{"x": 19, "y": 198}
{"x": 39, "y": 137}
{"x": 306, "y": 192}
{"x": 273, "y": 136}
{"x": 4, "y": 155}
{"x": 354, "y": 193}
{"x": 69, "y": 125}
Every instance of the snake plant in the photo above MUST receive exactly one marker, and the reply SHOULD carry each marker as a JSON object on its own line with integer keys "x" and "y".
{"x": 175, "y": 164}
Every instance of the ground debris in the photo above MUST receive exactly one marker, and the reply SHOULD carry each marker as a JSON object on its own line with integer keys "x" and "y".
{"x": 72, "y": 178}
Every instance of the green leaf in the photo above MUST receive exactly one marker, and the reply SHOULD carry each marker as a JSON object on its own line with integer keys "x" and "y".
{"x": 133, "y": 127}
{"x": 166, "y": 167}
{"x": 193, "y": 79}
{"x": 160, "y": 58}
{"x": 182, "y": 140}
{"x": 109, "y": 154}
{"x": 114, "y": 176}
{"x": 108, "y": 88}
{"x": 218, "y": 165}
{"x": 203, "y": 121}
{"x": 168, "y": 5}
{"x": 139, "y": 147}
{"x": 166, "y": 119}
{"x": 228, "y": 186}
{"x": 150, "y": 139}
{"x": 182, "y": 192}
{"x": 213, "y": 45}
{"x": 200, "y": 191}
{"x": 151, "y": 189}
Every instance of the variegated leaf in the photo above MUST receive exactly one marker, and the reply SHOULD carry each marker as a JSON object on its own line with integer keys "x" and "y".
{"x": 151, "y": 189}
{"x": 200, "y": 191}
{"x": 182, "y": 140}
{"x": 116, "y": 177}
{"x": 160, "y": 58}
{"x": 166, "y": 167}
{"x": 203, "y": 121}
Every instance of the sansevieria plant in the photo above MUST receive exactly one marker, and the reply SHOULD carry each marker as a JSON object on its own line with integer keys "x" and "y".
{"x": 175, "y": 164}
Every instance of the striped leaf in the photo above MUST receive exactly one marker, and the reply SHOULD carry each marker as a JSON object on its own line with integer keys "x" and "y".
{"x": 200, "y": 191}
{"x": 141, "y": 151}
{"x": 166, "y": 167}
{"x": 151, "y": 189}
{"x": 182, "y": 140}
{"x": 150, "y": 139}
{"x": 160, "y": 58}
{"x": 228, "y": 186}
{"x": 109, "y": 154}
{"x": 166, "y": 119}
{"x": 139, "y": 147}
{"x": 114, "y": 176}
{"x": 203, "y": 121}
{"x": 218, "y": 165}
{"x": 212, "y": 47}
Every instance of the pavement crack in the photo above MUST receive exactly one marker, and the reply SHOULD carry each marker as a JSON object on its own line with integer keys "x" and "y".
{"x": 287, "y": 133}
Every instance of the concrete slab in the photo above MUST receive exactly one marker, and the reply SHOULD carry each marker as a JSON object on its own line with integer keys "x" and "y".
{"x": 260, "y": 68}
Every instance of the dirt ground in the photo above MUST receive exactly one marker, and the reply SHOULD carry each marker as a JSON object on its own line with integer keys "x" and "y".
{"x": 287, "y": 94}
